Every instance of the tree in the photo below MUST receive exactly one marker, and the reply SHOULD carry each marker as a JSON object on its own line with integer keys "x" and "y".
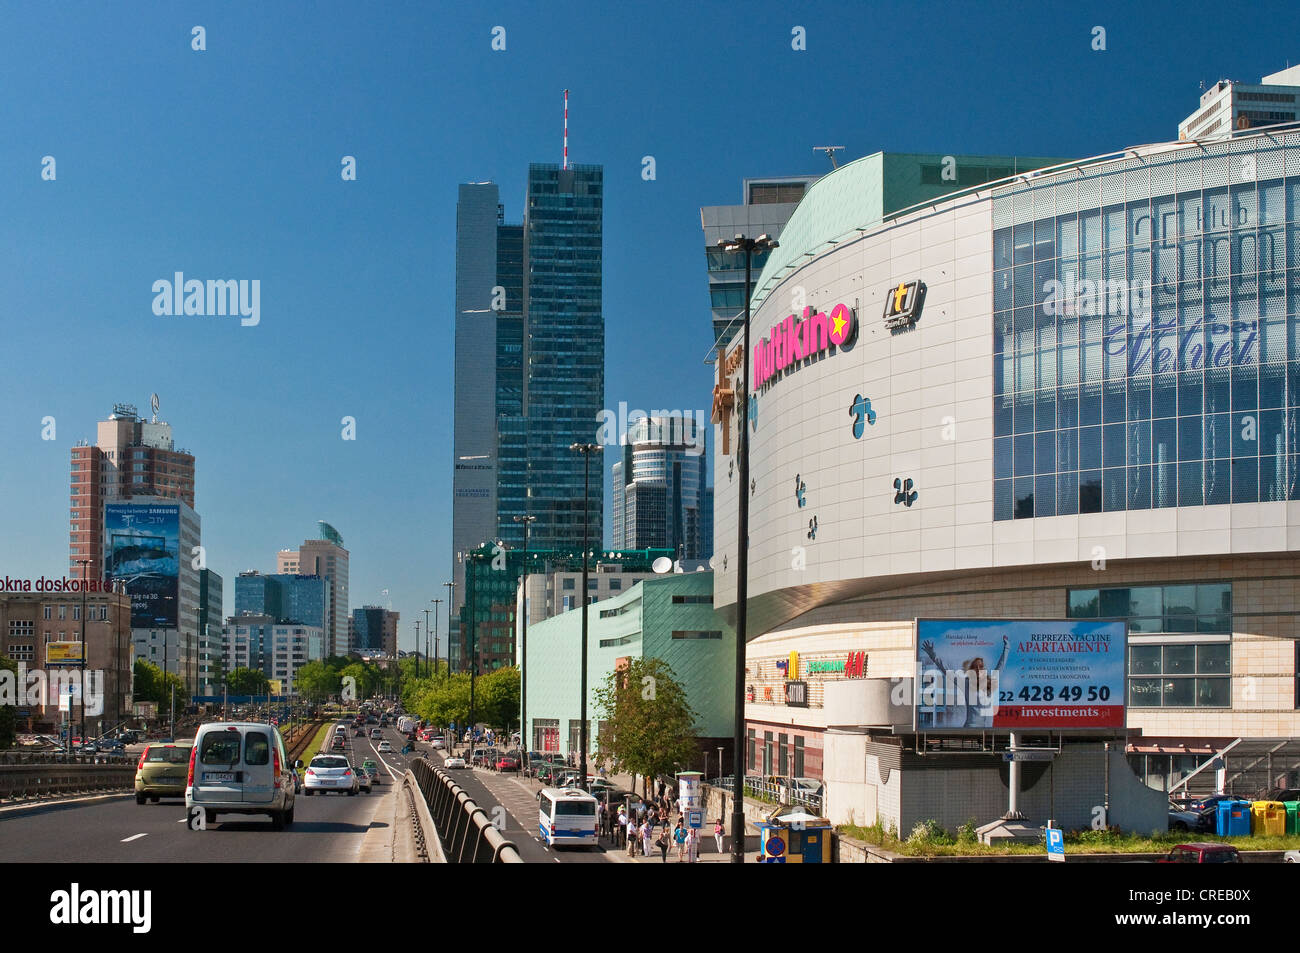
{"x": 9, "y": 713}
{"x": 152, "y": 684}
{"x": 496, "y": 697}
{"x": 317, "y": 680}
{"x": 248, "y": 681}
{"x": 651, "y": 726}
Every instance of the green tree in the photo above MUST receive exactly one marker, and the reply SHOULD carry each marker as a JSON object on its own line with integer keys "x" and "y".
{"x": 317, "y": 680}
{"x": 651, "y": 725}
{"x": 496, "y": 698}
{"x": 152, "y": 684}
{"x": 248, "y": 681}
{"x": 9, "y": 713}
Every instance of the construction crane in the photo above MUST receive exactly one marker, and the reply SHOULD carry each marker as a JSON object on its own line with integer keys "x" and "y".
{"x": 830, "y": 153}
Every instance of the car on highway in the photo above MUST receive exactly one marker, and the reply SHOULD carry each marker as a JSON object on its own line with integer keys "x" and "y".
{"x": 162, "y": 772}
{"x": 1202, "y": 853}
{"x": 329, "y": 772}
{"x": 376, "y": 734}
{"x": 439, "y": 741}
{"x": 372, "y": 771}
{"x": 363, "y": 779}
{"x": 507, "y": 762}
{"x": 240, "y": 768}
{"x": 339, "y": 742}
{"x": 453, "y": 762}
{"x": 384, "y": 747}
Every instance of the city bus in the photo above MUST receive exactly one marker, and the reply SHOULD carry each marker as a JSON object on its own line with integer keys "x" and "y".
{"x": 567, "y": 817}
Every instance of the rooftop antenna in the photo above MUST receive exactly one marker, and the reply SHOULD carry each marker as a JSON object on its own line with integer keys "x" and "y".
{"x": 566, "y": 129}
{"x": 153, "y": 401}
{"x": 830, "y": 153}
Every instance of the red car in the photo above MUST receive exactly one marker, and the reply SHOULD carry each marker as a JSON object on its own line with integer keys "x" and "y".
{"x": 1202, "y": 853}
{"x": 507, "y": 763}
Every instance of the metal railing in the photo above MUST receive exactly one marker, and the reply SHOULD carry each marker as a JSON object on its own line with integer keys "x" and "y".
{"x": 465, "y": 830}
{"x": 35, "y": 780}
{"x": 774, "y": 791}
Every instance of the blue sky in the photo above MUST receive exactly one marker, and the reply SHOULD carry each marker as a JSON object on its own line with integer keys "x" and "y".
{"x": 225, "y": 164}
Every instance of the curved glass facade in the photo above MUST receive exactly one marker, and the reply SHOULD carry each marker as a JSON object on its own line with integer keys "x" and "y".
{"x": 1145, "y": 321}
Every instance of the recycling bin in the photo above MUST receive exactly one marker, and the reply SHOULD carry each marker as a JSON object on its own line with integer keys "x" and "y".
{"x": 1292, "y": 816}
{"x": 1232, "y": 819}
{"x": 1268, "y": 818}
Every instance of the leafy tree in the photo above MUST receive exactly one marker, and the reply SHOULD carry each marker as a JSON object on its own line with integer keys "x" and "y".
{"x": 248, "y": 681}
{"x": 152, "y": 684}
{"x": 496, "y": 697}
{"x": 9, "y": 713}
{"x": 317, "y": 680}
{"x": 651, "y": 724}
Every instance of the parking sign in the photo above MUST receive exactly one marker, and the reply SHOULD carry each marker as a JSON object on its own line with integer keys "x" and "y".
{"x": 1055, "y": 844}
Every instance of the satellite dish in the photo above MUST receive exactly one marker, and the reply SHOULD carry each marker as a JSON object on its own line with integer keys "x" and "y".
{"x": 662, "y": 565}
{"x": 713, "y": 562}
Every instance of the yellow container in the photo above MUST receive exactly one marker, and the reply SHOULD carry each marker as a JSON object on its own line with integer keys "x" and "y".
{"x": 1267, "y": 818}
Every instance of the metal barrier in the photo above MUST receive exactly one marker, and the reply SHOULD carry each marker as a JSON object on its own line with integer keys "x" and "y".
{"x": 772, "y": 791}
{"x": 467, "y": 834}
{"x": 37, "y": 780}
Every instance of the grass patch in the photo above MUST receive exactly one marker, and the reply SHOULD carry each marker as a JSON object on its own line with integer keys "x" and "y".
{"x": 317, "y": 744}
{"x": 928, "y": 839}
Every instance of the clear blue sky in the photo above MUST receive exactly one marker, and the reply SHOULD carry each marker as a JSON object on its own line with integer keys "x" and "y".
{"x": 225, "y": 164}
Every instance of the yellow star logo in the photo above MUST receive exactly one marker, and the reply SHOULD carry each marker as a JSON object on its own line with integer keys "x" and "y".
{"x": 838, "y": 331}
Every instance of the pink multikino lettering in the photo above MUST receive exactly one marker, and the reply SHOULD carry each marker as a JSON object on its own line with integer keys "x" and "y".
{"x": 794, "y": 340}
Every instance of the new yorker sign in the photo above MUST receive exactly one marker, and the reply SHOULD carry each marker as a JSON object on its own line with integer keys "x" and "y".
{"x": 795, "y": 340}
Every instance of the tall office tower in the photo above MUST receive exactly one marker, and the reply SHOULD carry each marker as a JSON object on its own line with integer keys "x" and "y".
{"x": 564, "y": 349}
{"x": 372, "y": 626}
{"x": 659, "y": 488}
{"x": 211, "y": 644}
{"x": 1230, "y": 105}
{"x": 768, "y": 205}
{"x": 327, "y": 558}
{"x": 286, "y": 561}
{"x": 131, "y": 457}
{"x": 259, "y": 594}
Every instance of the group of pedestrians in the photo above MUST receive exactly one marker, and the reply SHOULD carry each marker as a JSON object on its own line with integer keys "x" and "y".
{"x": 644, "y": 830}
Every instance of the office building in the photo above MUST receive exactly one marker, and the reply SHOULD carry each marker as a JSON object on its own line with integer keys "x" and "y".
{"x": 277, "y": 649}
{"x": 208, "y": 660}
{"x": 325, "y": 557}
{"x": 659, "y": 488}
{"x": 374, "y": 630}
{"x": 1230, "y": 106}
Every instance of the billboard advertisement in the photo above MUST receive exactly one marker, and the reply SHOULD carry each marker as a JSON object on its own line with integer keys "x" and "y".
{"x": 1019, "y": 674}
{"x": 63, "y": 653}
{"x": 142, "y": 542}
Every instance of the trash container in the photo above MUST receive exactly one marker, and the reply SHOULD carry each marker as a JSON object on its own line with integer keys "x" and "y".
{"x": 1292, "y": 816}
{"x": 1232, "y": 819}
{"x": 1267, "y": 818}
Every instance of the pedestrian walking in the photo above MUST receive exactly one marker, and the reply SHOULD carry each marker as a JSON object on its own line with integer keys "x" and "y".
{"x": 679, "y": 836}
{"x": 631, "y": 835}
{"x": 646, "y": 837}
{"x": 693, "y": 845}
{"x": 717, "y": 833}
{"x": 662, "y": 844}
{"x": 622, "y": 824}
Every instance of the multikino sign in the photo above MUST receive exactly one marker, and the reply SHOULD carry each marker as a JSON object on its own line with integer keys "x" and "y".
{"x": 795, "y": 340}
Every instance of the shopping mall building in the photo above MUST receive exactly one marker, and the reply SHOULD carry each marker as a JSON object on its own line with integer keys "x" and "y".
{"x": 1067, "y": 395}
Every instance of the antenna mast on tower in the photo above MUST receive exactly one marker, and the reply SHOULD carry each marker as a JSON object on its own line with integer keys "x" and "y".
{"x": 566, "y": 129}
{"x": 830, "y": 153}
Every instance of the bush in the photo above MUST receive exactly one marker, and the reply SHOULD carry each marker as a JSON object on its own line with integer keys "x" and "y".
{"x": 927, "y": 833}
{"x": 966, "y": 833}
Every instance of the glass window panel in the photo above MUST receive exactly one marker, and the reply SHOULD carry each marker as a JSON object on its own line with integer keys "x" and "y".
{"x": 1115, "y": 603}
{"x": 1067, "y": 407}
{"x": 1217, "y": 435}
{"x": 1164, "y": 485}
{"x": 1002, "y": 289}
{"x": 1218, "y": 482}
{"x": 1024, "y": 411}
{"x": 1002, "y": 457}
{"x": 1139, "y": 488}
{"x": 1164, "y": 391}
{"x": 1067, "y": 494}
{"x": 1083, "y": 603}
{"x": 1245, "y": 480}
{"x": 1144, "y": 693}
{"x": 1138, "y": 442}
{"x": 1090, "y": 448}
{"x": 1113, "y": 441}
{"x": 1144, "y": 660}
{"x": 1214, "y": 693}
{"x": 1154, "y": 626}
{"x": 1179, "y": 692}
{"x": 1045, "y": 411}
{"x": 1180, "y": 600}
{"x": 1067, "y": 450}
{"x": 1023, "y": 455}
{"x": 1245, "y": 388}
{"x": 1189, "y": 438}
{"x": 1113, "y": 402}
{"x": 1244, "y": 434}
{"x": 1024, "y": 497}
{"x": 1114, "y": 489}
{"x": 1090, "y": 491}
{"x": 1002, "y": 499}
{"x": 1180, "y": 660}
{"x": 1190, "y": 393}
{"x": 1218, "y": 390}
{"x": 1044, "y": 453}
{"x": 1045, "y": 493}
{"x": 1001, "y": 411}
{"x": 1090, "y": 404}
{"x": 1139, "y": 398}
{"x": 1214, "y": 659}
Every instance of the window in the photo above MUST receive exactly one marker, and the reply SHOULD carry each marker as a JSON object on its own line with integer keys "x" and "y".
{"x": 22, "y": 653}
{"x": 1180, "y": 675}
{"x": 220, "y": 747}
{"x": 21, "y": 627}
{"x": 569, "y": 585}
{"x": 695, "y": 634}
{"x": 47, "y": 611}
{"x": 780, "y": 755}
{"x": 63, "y": 612}
{"x": 76, "y": 613}
{"x": 695, "y": 600}
{"x": 798, "y": 769}
{"x": 751, "y": 744}
{"x": 615, "y": 585}
{"x": 767, "y": 752}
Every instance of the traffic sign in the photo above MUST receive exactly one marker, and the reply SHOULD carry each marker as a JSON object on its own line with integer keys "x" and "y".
{"x": 1055, "y": 844}
{"x": 695, "y": 819}
{"x": 1030, "y": 754}
{"x": 775, "y": 846}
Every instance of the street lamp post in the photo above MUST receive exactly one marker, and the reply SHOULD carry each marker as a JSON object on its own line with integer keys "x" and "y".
{"x": 450, "y": 588}
{"x": 747, "y": 245}
{"x": 586, "y": 449}
{"x": 427, "y": 670}
{"x": 417, "y": 648}
{"x": 436, "y": 603}
{"x": 523, "y": 645}
{"x": 83, "y": 563}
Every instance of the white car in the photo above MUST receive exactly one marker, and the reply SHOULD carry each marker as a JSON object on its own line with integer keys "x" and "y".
{"x": 454, "y": 763}
{"x": 384, "y": 748}
{"x": 438, "y": 741}
{"x": 330, "y": 772}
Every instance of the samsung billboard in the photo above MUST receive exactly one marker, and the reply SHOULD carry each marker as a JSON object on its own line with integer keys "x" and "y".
{"x": 142, "y": 543}
{"x": 1019, "y": 674}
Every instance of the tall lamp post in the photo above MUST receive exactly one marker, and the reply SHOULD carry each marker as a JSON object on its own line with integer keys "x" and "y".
{"x": 451, "y": 586}
{"x": 417, "y": 648}
{"x": 436, "y": 603}
{"x": 586, "y": 449}
{"x": 83, "y": 563}
{"x": 523, "y": 646}
{"x": 748, "y": 246}
{"x": 427, "y": 670}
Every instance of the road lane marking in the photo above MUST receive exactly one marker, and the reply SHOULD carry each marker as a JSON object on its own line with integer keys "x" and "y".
{"x": 127, "y": 840}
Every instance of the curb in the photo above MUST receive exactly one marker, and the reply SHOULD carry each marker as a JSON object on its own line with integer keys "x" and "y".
{"x": 61, "y": 802}
{"x": 380, "y": 843}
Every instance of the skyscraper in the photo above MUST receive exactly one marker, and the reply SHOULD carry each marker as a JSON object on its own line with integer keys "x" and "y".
{"x": 326, "y": 557}
{"x": 373, "y": 627}
{"x": 659, "y": 488}
{"x": 530, "y": 359}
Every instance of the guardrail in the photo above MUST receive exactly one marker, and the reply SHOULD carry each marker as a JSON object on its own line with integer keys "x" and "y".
{"x": 772, "y": 791}
{"x": 467, "y": 834}
{"x": 35, "y": 780}
{"x": 60, "y": 757}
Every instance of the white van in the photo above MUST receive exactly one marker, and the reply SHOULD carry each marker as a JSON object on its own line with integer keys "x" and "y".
{"x": 240, "y": 768}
